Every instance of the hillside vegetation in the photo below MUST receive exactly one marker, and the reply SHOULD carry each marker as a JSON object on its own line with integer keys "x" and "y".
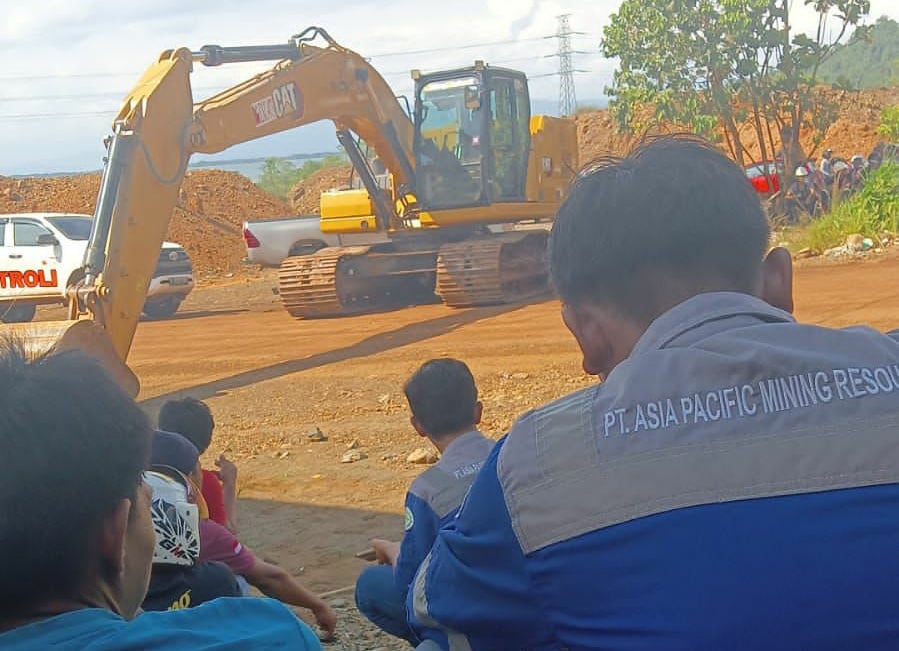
{"x": 869, "y": 60}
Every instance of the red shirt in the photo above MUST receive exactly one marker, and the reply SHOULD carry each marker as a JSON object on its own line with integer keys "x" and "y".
{"x": 214, "y": 495}
{"x": 219, "y": 544}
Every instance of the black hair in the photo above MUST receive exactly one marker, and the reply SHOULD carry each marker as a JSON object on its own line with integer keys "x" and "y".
{"x": 674, "y": 218}
{"x": 189, "y": 417}
{"x": 73, "y": 445}
{"x": 442, "y": 396}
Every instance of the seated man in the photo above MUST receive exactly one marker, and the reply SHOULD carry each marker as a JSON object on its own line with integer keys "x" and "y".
{"x": 76, "y": 539}
{"x": 731, "y": 484}
{"x": 192, "y": 419}
{"x": 445, "y": 409}
{"x": 178, "y": 578}
{"x": 219, "y": 544}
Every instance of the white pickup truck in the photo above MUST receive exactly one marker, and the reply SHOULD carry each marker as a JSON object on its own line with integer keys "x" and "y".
{"x": 269, "y": 241}
{"x": 39, "y": 252}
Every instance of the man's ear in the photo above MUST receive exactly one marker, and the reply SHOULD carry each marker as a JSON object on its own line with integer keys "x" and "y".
{"x": 112, "y": 536}
{"x": 596, "y": 348}
{"x": 478, "y": 412}
{"x": 417, "y": 426}
{"x": 777, "y": 279}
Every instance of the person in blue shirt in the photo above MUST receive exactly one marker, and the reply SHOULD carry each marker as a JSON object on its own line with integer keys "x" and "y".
{"x": 445, "y": 409}
{"x": 733, "y": 481}
{"x": 77, "y": 539}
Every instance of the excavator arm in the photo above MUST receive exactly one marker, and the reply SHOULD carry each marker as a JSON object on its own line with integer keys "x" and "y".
{"x": 160, "y": 126}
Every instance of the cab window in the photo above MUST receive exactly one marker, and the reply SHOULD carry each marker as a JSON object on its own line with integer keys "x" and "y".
{"x": 509, "y": 138}
{"x": 25, "y": 233}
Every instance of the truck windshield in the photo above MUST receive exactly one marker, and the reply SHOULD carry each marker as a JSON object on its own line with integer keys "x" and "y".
{"x": 73, "y": 227}
{"x": 449, "y": 145}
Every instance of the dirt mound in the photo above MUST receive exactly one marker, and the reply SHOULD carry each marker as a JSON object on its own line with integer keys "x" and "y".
{"x": 206, "y": 221}
{"x": 854, "y": 131}
{"x": 304, "y": 196}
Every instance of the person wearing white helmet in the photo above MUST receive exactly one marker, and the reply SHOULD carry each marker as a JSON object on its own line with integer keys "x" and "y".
{"x": 826, "y": 166}
{"x": 799, "y": 195}
{"x": 178, "y": 578}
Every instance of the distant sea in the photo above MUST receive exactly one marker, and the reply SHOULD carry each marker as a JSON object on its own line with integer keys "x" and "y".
{"x": 249, "y": 167}
{"x": 252, "y": 167}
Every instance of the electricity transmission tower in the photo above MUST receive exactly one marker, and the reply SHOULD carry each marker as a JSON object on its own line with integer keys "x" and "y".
{"x": 567, "y": 95}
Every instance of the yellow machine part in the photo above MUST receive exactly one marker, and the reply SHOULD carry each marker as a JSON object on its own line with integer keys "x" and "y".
{"x": 347, "y": 211}
{"x": 85, "y": 335}
{"x": 553, "y": 162}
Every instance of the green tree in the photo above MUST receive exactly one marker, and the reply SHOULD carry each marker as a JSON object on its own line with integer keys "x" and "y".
{"x": 711, "y": 64}
{"x": 279, "y": 175}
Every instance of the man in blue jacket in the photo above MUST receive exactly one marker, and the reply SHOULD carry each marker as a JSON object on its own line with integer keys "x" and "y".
{"x": 445, "y": 409}
{"x": 76, "y": 536}
{"x": 733, "y": 482}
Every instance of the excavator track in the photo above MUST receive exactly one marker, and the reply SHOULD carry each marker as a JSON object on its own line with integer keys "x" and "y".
{"x": 338, "y": 281}
{"x": 310, "y": 285}
{"x": 503, "y": 268}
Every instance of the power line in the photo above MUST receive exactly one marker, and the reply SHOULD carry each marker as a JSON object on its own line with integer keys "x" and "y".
{"x": 380, "y": 55}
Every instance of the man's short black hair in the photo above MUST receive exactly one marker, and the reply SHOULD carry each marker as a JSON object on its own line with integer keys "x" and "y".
{"x": 674, "y": 218}
{"x": 72, "y": 445}
{"x": 189, "y": 417}
{"x": 442, "y": 396}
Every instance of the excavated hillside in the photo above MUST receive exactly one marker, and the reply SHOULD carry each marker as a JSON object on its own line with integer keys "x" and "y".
{"x": 304, "y": 196}
{"x": 853, "y": 132}
{"x": 207, "y": 219}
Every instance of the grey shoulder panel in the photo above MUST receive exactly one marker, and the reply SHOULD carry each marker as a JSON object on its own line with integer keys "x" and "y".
{"x": 440, "y": 490}
{"x": 820, "y": 458}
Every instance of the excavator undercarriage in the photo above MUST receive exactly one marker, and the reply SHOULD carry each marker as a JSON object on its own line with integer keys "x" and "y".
{"x": 479, "y": 270}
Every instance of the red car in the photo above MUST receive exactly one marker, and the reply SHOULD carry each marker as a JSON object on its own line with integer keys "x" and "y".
{"x": 763, "y": 177}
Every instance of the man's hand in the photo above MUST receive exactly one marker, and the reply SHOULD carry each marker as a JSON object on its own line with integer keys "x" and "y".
{"x": 326, "y": 619}
{"x": 386, "y": 552}
{"x": 227, "y": 471}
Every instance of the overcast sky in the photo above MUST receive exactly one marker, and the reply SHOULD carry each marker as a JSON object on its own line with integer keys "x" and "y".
{"x": 66, "y": 64}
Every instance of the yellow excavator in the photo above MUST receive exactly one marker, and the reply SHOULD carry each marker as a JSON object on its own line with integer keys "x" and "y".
{"x": 445, "y": 178}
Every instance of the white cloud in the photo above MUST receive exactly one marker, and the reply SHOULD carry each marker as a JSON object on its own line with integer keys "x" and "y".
{"x": 65, "y": 65}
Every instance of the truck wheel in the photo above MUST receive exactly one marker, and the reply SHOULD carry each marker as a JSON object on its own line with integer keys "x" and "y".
{"x": 162, "y": 308}
{"x": 17, "y": 313}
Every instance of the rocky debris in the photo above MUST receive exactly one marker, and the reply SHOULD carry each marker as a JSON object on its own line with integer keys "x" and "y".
{"x": 520, "y": 376}
{"x": 315, "y": 435}
{"x": 853, "y": 247}
{"x": 355, "y": 633}
{"x": 423, "y": 456}
{"x": 807, "y": 252}
{"x": 353, "y": 445}
{"x": 855, "y": 242}
{"x": 352, "y": 456}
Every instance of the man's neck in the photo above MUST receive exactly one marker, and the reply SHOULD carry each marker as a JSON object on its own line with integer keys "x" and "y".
{"x": 446, "y": 440}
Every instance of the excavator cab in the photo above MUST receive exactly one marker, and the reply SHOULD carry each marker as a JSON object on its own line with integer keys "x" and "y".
{"x": 472, "y": 137}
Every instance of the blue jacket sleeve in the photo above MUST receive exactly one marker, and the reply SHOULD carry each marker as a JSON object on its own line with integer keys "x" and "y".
{"x": 420, "y": 530}
{"x": 473, "y": 588}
